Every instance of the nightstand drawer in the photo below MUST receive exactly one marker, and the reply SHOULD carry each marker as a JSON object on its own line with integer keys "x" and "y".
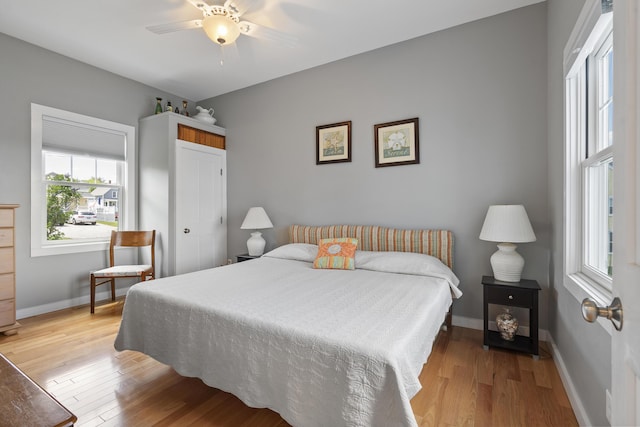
{"x": 510, "y": 296}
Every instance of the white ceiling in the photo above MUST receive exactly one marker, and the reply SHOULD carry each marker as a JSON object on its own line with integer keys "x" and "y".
{"x": 111, "y": 34}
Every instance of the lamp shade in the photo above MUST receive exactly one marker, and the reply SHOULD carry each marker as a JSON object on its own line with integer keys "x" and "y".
{"x": 221, "y": 29}
{"x": 256, "y": 219}
{"x": 507, "y": 223}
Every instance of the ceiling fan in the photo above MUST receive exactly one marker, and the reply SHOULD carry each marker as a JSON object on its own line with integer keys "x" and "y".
{"x": 222, "y": 23}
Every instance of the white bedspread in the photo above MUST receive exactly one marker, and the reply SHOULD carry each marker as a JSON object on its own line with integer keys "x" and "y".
{"x": 320, "y": 347}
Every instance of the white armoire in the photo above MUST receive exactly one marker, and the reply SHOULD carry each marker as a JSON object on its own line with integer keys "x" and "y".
{"x": 182, "y": 192}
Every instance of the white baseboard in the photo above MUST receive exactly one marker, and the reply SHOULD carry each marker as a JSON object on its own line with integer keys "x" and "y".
{"x": 68, "y": 303}
{"x": 467, "y": 322}
{"x": 569, "y": 387}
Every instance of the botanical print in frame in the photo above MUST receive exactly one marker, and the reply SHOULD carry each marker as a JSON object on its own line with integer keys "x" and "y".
{"x": 333, "y": 143}
{"x": 397, "y": 143}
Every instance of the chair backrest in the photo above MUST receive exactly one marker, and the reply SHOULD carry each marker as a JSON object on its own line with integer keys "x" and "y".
{"x": 133, "y": 239}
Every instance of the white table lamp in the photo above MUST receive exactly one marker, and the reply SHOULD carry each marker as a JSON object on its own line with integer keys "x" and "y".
{"x": 256, "y": 219}
{"x": 507, "y": 224}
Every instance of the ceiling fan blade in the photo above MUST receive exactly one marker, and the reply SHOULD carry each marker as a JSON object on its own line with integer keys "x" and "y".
{"x": 265, "y": 33}
{"x": 175, "y": 26}
{"x": 200, "y": 4}
{"x": 238, "y": 7}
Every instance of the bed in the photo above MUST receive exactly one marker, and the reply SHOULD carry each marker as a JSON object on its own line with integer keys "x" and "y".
{"x": 322, "y": 347}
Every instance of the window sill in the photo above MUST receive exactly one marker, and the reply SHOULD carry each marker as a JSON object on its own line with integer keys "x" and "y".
{"x": 581, "y": 287}
{"x": 72, "y": 248}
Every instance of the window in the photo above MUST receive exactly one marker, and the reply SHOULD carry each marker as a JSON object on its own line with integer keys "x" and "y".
{"x": 589, "y": 168}
{"x": 82, "y": 184}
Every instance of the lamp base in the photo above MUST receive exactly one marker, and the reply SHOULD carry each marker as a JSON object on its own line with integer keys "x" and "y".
{"x": 255, "y": 244}
{"x": 507, "y": 263}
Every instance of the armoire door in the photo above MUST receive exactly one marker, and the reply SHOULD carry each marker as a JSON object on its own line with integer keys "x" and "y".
{"x": 200, "y": 211}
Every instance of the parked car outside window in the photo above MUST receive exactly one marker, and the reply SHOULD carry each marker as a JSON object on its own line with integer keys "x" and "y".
{"x": 83, "y": 217}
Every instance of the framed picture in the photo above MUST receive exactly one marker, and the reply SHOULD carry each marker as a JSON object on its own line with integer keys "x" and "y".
{"x": 397, "y": 143}
{"x": 333, "y": 143}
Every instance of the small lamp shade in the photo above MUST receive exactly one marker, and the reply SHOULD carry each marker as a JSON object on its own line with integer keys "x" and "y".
{"x": 507, "y": 224}
{"x": 256, "y": 219}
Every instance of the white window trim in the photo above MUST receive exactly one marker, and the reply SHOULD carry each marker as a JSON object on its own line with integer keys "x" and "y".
{"x": 39, "y": 247}
{"x": 586, "y": 33}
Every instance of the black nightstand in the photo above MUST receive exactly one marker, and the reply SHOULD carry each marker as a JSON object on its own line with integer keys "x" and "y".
{"x": 246, "y": 257}
{"x": 513, "y": 294}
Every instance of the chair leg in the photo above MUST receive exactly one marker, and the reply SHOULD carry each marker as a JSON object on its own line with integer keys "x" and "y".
{"x": 113, "y": 289}
{"x": 93, "y": 293}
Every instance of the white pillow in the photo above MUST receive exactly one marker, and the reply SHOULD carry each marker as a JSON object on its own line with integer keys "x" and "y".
{"x": 407, "y": 263}
{"x": 296, "y": 251}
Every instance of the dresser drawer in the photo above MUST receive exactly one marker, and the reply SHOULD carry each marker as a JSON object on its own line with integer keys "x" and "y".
{"x": 6, "y": 236}
{"x": 7, "y": 286}
{"x": 6, "y": 260}
{"x": 6, "y": 217}
{"x": 7, "y": 312}
{"x": 510, "y": 296}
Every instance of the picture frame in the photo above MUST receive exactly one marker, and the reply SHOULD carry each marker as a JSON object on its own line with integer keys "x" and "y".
{"x": 397, "y": 143}
{"x": 333, "y": 143}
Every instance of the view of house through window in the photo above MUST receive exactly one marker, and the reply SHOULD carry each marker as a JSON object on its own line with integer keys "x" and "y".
{"x": 82, "y": 196}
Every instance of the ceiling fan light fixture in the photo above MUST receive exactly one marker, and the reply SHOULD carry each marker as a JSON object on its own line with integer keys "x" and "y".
{"x": 221, "y": 29}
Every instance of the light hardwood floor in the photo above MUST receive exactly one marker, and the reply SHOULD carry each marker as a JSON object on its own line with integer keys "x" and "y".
{"x": 70, "y": 353}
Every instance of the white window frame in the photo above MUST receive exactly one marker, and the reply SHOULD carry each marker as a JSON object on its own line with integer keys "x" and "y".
{"x": 590, "y": 31}
{"x": 39, "y": 244}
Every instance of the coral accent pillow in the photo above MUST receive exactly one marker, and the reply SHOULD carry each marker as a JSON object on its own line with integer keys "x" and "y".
{"x": 338, "y": 253}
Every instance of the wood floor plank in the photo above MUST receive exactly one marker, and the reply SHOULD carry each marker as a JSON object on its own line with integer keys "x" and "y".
{"x": 484, "y": 406}
{"x": 427, "y": 404}
{"x": 70, "y": 353}
{"x": 485, "y": 367}
{"x": 459, "y": 402}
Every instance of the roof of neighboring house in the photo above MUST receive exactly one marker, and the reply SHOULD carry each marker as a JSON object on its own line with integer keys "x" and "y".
{"x": 100, "y": 191}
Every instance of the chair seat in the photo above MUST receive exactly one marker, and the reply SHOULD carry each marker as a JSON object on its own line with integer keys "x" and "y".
{"x": 122, "y": 270}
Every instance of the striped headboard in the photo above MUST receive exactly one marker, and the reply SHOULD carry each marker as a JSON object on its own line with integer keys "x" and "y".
{"x": 437, "y": 243}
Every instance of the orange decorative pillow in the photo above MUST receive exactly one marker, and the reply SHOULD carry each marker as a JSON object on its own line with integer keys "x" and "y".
{"x": 338, "y": 253}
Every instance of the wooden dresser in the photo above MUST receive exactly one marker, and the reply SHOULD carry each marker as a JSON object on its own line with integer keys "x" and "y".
{"x": 8, "y": 324}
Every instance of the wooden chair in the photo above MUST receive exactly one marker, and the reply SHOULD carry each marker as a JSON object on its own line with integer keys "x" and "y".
{"x": 142, "y": 271}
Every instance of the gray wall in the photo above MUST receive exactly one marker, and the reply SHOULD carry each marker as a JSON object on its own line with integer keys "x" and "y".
{"x": 479, "y": 92}
{"x": 585, "y": 348}
{"x": 31, "y": 74}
